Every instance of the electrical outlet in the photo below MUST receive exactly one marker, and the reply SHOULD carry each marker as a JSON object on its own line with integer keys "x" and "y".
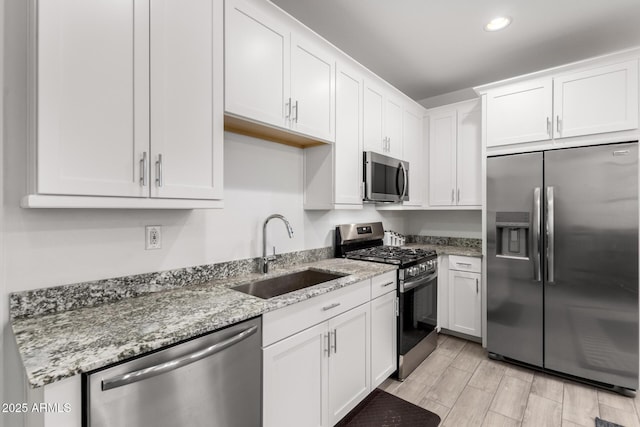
{"x": 153, "y": 237}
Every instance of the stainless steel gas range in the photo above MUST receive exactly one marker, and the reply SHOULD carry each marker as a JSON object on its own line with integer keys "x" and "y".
{"x": 417, "y": 288}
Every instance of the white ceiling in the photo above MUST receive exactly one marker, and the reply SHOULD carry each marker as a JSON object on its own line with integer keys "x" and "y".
{"x": 431, "y": 47}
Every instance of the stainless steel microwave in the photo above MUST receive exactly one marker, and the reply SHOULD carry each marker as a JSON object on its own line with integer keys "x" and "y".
{"x": 385, "y": 179}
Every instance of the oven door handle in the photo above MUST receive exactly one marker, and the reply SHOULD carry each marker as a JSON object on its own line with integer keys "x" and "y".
{"x": 404, "y": 287}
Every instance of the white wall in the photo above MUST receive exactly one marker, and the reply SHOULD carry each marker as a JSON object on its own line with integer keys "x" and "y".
{"x": 445, "y": 223}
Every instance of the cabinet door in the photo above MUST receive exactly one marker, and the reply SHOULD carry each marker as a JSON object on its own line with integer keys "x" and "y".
{"x": 295, "y": 374}
{"x": 412, "y": 147}
{"x": 92, "y": 97}
{"x": 469, "y": 157}
{"x": 256, "y": 64}
{"x": 348, "y": 361}
{"x": 186, "y": 99}
{"x": 373, "y": 105}
{"x": 603, "y": 99}
{"x": 519, "y": 113}
{"x": 442, "y": 158}
{"x": 393, "y": 127}
{"x": 312, "y": 89}
{"x": 384, "y": 343}
{"x": 348, "y": 146}
{"x": 464, "y": 302}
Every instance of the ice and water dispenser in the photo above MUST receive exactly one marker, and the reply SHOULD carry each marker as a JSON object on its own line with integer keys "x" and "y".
{"x": 512, "y": 234}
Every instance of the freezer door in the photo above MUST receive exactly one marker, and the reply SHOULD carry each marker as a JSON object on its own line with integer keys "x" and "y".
{"x": 591, "y": 293}
{"x": 514, "y": 286}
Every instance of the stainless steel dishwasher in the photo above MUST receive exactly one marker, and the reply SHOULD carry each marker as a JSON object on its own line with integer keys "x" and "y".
{"x": 213, "y": 380}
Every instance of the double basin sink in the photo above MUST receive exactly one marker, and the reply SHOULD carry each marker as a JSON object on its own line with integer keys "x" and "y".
{"x": 280, "y": 285}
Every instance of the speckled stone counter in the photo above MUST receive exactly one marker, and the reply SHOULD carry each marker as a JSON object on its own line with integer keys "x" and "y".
{"x": 447, "y": 245}
{"x": 64, "y": 343}
{"x": 448, "y": 249}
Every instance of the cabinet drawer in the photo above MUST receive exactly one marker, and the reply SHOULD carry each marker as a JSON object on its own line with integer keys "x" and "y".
{"x": 289, "y": 320}
{"x": 465, "y": 263}
{"x": 383, "y": 283}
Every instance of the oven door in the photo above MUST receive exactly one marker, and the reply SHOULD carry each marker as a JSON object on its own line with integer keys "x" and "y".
{"x": 386, "y": 178}
{"x": 417, "y": 322}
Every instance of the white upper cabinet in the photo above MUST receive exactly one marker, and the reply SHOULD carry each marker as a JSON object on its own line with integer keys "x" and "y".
{"x": 275, "y": 75}
{"x": 312, "y": 89}
{"x": 586, "y": 99}
{"x": 257, "y": 48}
{"x": 442, "y": 157}
{"x": 92, "y": 97}
{"x": 469, "y": 155}
{"x": 603, "y": 99}
{"x": 393, "y": 128}
{"x": 519, "y": 113}
{"x": 374, "y": 103}
{"x": 455, "y": 155}
{"x": 186, "y": 100}
{"x": 122, "y": 109}
{"x": 382, "y": 120}
{"x": 413, "y": 147}
{"x": 333, "y": 173}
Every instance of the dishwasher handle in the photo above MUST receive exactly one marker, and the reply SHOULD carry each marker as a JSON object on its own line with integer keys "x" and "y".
{"x": 152, "y": 371}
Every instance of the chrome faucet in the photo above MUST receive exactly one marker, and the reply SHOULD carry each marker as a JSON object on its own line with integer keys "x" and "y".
{"x": 265, "y": 258}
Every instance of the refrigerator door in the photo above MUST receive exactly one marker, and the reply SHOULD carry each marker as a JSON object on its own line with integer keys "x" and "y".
{"x": 591, "y": 289}
{"x": 514, "y": 286}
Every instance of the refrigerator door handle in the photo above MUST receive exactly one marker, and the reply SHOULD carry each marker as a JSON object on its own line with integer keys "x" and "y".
{"x": 537, "y": 272}
{"x": 550, "y": 235}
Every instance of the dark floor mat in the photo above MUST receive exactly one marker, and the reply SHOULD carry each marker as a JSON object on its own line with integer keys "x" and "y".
{"x": 381, "y": 409}
{"x": 603, "y": 423}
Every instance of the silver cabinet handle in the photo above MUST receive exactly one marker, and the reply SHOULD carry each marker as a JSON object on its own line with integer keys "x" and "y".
{"x": 144, "y": 176}
{"x": 549, "y": 127}
{"x": 329, "y": 307}
{"x": 328, "y": 349}
{"x": 464, "y": 263}
{"x": 453, "y": 192}
{"x": 477, "y": 288}
{"x": 287, "y": 106}
{"x": 387, "y": 284}
{"x": 405, "y": 175}
{"x": 458, "y": 196}
{"x": 159, "y": 171}
{"x": 550, "y": 235}
{"x": 152, "y": 371}
{"x": 536, "y": 235}
{"x": 295, "y": 119}
{"x": 559, "y": 125}
{"x": 335, "y": 340}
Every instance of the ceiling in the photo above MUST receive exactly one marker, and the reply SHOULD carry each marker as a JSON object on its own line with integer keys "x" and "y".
{"x": 432, "y": 47}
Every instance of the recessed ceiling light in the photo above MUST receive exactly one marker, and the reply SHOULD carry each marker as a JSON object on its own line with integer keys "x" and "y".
{"x": 498, "y": 23}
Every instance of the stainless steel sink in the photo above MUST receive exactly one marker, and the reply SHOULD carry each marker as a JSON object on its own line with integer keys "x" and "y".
{"x": 269, "y": 288}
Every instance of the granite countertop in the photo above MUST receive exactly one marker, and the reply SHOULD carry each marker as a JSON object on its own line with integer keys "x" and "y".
{"x": 60, "y": 345}
{"x": 449, "y": 250}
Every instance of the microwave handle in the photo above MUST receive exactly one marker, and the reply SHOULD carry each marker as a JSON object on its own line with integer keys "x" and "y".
{"x": 406, "y": 178}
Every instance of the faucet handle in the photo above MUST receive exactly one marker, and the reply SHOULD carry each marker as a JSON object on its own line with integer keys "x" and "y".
{"x": 271, "y": 257}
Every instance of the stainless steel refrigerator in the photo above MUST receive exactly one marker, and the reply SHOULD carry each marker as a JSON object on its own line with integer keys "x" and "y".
{"x": 562, "y": 261}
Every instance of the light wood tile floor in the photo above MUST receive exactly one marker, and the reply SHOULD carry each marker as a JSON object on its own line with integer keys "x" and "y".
{"x": 466, "y": 388}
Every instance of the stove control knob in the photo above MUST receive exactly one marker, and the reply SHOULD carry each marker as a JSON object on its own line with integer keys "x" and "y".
{"x": 413, "y": 271}
{"x": 424, "y": 267}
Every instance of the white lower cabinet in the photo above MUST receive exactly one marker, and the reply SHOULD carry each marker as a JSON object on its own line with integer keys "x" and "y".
{"x": 321, "y": 356}
{"x": 295, "y": 379}
{"x": 383, "y": 338}
{"x": 348, "y": 357}
{"x": 465, "y": 290}
{"x": 317, "y": 376}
